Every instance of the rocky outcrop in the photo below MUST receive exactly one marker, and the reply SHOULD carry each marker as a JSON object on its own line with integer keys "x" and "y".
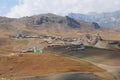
{"x": 89, "y": 40}
{"x": 45, "y": 19}
{"x": 96, "y": 26}
{"x": 97, "y": 41}
{"x": 59, "y": 20}
{"x": 73, "y": 23}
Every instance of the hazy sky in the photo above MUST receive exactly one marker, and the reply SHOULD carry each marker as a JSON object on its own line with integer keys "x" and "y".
{"x": 20, "y": 8}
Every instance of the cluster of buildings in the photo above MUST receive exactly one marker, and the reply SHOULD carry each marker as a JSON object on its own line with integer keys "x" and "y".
{"x": 55, "y": 41}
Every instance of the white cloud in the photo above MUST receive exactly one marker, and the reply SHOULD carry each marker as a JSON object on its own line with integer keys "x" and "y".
{"x": 62, "y": 7}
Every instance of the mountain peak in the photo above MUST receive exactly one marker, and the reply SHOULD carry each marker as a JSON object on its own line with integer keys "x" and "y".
{"x": 46, "y": 15}
{"x": 50, "y": 18}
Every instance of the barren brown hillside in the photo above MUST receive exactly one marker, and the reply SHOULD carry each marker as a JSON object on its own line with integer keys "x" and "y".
{"x": 38, "y": 64}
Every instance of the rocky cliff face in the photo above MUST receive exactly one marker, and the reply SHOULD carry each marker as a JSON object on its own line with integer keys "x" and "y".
{"x": 96, "y": 26}
{"x": 71, "y": 22}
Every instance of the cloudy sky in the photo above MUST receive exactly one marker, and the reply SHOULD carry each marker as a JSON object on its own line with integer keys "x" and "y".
{"x": 20, "y": 8}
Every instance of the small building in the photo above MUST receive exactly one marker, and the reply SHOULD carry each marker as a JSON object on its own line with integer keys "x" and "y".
{"x": 38, "y": 50}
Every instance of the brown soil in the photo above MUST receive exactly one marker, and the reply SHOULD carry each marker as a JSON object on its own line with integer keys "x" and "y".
{"x": 102, "y": 56}
{"x": 106, "y": 59}
{"x": 37, "y": 64}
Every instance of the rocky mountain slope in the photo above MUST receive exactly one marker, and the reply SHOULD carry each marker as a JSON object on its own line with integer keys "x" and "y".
{"x": 46, "y": 24}
{"x": 110, "y": 19}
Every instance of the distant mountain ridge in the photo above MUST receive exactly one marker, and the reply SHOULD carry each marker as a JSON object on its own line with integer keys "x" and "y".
{"x": 110, "y": 19}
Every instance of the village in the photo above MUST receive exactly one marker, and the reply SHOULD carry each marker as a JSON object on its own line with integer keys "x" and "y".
{"x": 47, "y": 41}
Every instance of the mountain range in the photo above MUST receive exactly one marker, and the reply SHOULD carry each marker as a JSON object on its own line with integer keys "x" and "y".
{"x": 46, "y": 24}
{"x": 109, "y": 19}
{"x": 52, "y": 25}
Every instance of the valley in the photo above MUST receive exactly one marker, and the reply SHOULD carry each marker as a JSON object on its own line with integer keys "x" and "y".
{"x": 53, "y": 47}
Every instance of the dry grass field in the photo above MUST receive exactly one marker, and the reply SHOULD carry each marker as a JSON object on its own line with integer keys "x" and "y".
{"x": 33, "y": 64}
